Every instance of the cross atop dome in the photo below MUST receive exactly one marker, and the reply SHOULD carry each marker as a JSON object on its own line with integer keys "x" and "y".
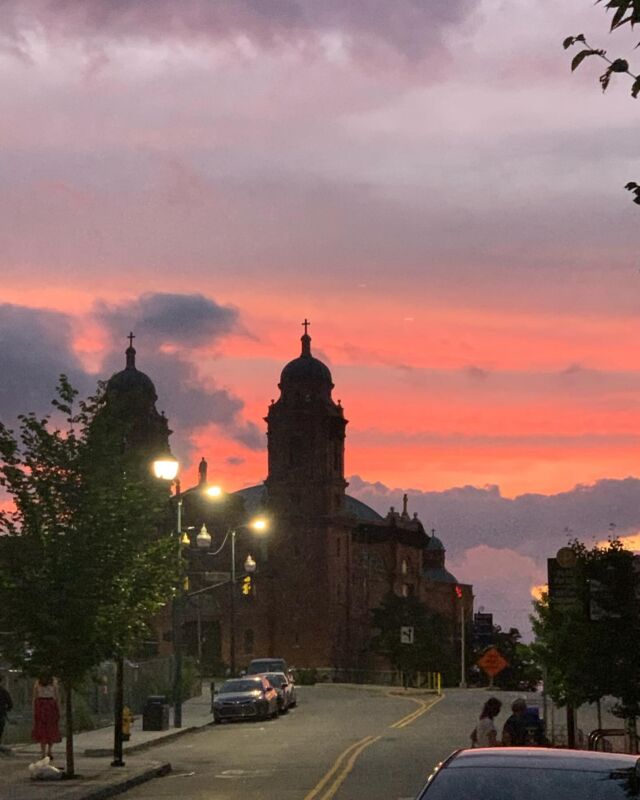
{"x": 131, "y": 352}
{"x": 306, "y": 339}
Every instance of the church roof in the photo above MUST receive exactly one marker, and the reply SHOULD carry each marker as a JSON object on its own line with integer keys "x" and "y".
{"x": 439, "y": 575}
{"x": 361, "y": 510}
{"x": 130, "y": 379}
{"x": 255, "y": 497}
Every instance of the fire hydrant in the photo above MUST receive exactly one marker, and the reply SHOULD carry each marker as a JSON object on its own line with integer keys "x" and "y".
{"x": 127, "y": 722}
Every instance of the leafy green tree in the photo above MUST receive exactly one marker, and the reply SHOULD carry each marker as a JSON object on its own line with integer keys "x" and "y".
{"x": 625, "y": 13}
{"x": 430, "y": 651}
{"x": 592, "y": 648}
{"x": 82, "y": 565}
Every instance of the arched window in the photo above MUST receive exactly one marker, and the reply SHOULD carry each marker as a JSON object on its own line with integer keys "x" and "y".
{"x": 248, "y": 641}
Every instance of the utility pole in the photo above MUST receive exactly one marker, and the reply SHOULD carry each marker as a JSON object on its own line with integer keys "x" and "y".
{"x": 463, "y": 671}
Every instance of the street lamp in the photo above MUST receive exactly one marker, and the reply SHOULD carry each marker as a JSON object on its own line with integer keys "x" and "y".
{"x": 166, "y": 468}
{"x": 463, "y": 672}
{"x": 203, "y": 540}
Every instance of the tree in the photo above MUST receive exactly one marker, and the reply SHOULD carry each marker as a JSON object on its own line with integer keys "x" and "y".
{"x": 429, "y": 651}
{"x": 592, "y": 648}
{"x": 625, "y": 12}
{"x": 82, "y": 565}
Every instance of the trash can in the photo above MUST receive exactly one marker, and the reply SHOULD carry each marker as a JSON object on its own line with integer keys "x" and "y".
{"x": 155, "y": 713}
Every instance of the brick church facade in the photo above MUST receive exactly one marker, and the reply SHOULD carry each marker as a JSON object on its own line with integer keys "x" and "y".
{"x": 327, "y": 560}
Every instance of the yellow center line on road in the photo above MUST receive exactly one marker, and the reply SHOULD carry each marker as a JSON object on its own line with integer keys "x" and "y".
{"x": 409, "y": 718}
{"x": 336, "y": 766}
{"x": 347, "y": 769}
{"x": 351, "y": 754}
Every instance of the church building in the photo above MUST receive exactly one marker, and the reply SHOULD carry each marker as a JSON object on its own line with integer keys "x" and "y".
{"x": 327, "y": 559}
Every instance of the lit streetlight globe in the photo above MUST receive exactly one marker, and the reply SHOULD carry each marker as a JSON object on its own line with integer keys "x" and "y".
{"x": 165, "y": 468}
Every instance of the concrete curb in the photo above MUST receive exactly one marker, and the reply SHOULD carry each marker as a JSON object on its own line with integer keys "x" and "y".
{"x": 104, "y": 752}
{"x": 113, "y": 789}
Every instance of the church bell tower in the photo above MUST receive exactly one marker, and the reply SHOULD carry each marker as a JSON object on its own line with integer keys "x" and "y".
{"x": 306, "y": 433}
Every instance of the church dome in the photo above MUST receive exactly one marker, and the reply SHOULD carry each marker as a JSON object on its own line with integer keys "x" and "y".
{"x": 306, "y": 368}
{"x": 306, "y": 372}
{"x": 433, "y": 543}
{"x": 130, "y": 380}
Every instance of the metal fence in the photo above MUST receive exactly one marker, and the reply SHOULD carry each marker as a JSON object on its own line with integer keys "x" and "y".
{"x": 93, "y": 701}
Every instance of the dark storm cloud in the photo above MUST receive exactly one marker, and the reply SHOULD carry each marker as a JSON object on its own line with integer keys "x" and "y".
{"x": 190, "y": 401}
{"x": 532, "y": 524}
{"x": 185, "y": 319}
{"x": 35, "y": 348}
{"x": 411, "y": 27}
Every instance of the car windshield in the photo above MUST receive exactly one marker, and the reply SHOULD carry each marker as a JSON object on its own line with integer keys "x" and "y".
{"x": 241, "y": 686}
{"x": 276, "y": 680}
{"x": 507, "y": 783}
{"x": 265, "y": 666}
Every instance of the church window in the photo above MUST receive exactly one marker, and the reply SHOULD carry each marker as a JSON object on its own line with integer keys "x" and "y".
{"x": 404, "y": 568}
{"x": 248, "y": 641}
{"x": 405, "y": 590}
{"x": 296, "y": 639}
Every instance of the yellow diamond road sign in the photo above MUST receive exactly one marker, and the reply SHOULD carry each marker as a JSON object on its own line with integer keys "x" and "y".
{"x": 492, "y": 662}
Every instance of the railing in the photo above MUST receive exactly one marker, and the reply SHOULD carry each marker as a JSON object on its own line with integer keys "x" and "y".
{"x": 429, "y": 681}
{"x": 602, "y": 734}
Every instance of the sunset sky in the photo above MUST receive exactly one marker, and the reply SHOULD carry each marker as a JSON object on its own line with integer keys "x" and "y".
{"x": 425, "y": 181}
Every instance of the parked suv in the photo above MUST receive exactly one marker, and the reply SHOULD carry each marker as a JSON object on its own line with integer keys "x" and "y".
{"x": 260, "y": 666}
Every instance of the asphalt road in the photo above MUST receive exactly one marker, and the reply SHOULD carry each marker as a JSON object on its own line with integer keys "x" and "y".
{"x": 342, "y": 743}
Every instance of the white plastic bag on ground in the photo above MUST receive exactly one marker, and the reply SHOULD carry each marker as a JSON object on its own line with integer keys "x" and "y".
{"x": 44, "y": 770}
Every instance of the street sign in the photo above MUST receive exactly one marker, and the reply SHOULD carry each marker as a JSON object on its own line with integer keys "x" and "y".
{"x": 601, "y": 602}
{"x": 492, "y": 662}
{"x": 563, "y": 584}
{"x": 483, "y": 628}
{"x": 406, "y": 634}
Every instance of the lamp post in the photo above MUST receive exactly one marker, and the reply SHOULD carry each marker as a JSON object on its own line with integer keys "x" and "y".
{"x": 166, "y": 468}
{"x": 463, "y": 676}
{"x": 203, "y": 540}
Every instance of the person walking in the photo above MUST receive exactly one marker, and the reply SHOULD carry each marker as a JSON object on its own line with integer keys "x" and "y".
{"x": 485, "y": 733}
{"x": 523, "y": 728}
{"x": 46, "y": 714}
{"x": 6, "y": 704}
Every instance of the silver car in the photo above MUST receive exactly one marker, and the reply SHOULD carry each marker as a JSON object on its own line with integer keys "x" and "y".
{"x": 285, "y": 688}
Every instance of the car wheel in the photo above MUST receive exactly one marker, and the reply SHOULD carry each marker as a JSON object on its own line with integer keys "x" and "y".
{"x": 217, "y": 721}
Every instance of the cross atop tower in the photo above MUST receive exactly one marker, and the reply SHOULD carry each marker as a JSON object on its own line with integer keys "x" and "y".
{"x": 306, "y": 324}
{"x": 131, "y": 337}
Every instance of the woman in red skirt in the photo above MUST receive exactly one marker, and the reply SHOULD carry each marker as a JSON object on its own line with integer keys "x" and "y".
{"x": 46, "y": 714}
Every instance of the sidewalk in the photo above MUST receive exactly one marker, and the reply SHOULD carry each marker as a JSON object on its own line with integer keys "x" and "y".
{"x": 97, "y": 779}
